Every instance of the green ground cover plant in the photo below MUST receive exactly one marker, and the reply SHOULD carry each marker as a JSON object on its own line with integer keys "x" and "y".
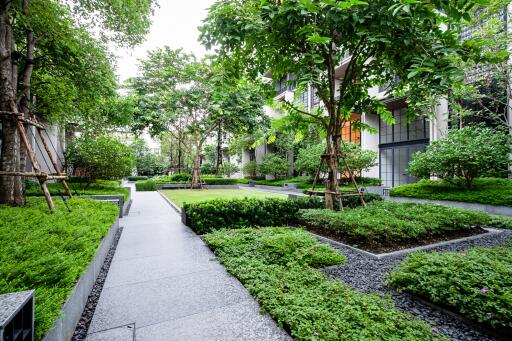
{"x": 98, "y": 187}
{"x": 48, "y": 252}
{"x": 204, "y": 217}
{"x": 137, "y": 178}
{"x": 477, "y": 283}
{"x": 279, "y": 268}
{"x": 190, "y": 196}
{"x": 490, "y": 191}
{"x": 385, "y": 226}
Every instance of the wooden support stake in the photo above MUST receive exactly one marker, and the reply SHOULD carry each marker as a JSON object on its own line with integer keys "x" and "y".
{"x": 54, "y": 162}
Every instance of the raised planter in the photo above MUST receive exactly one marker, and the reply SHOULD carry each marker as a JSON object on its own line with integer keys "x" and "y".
{"x": 72, "y": 309}
{"x": 124, "y": 206}
{"x": 400, "y": 253}
{"x": 17, "y": 316}
{"x": 492, "y": 209}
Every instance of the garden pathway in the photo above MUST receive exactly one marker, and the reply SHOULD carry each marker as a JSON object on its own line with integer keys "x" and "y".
{"x": 165, "y": 284}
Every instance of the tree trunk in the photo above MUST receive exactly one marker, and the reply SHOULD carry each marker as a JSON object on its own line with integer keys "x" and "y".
{"x": 196, "y": 178}
{"x": 218, "y": 163}
{"x": 331, "y": 186}
{"x": 10, "y": 190}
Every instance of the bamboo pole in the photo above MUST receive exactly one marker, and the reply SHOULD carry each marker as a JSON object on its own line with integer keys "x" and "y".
{"x": 54, "y": 163}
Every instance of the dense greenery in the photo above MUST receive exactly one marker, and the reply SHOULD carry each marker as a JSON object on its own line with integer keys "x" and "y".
{"x": 281, "y": 182}
{"x": 147, "y": 162}
{"x": 204, "y": 217}
{"x": 99, "y": 157}
{"x": 250, "y": 169}
{"x": 277, "y": 266}
{"x": 274, "y": 165}
{"x": 477, "y": 282}
{"x": 190, "y": 196}
{"x": 145, "y": 186}
{"x": 98, "y": 187}
{"x": 137, "y": 178}
{"x": 385, "y": 224}
{"x": 48, "y": 252}
{"x": 489, "y": 191}
{"x": 463, "y": 155}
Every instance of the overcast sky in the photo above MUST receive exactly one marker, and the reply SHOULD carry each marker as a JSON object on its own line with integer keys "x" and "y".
{"x": 175, "y": 24}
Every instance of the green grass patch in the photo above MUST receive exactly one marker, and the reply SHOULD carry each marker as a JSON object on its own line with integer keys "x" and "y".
{"x": 49, "y": 252}
{"x": 190, "y": 196}
{"x": 100, "y": 187}
{"x": 489, "y": 191}
{"x": 477, "y": 283}
{"x": 385, "y": 226}
{"x": 278, "y": 267}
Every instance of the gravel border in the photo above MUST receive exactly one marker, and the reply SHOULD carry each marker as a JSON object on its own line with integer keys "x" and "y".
{"x": 367, "y": 274}
{"x": 82, "y": 327}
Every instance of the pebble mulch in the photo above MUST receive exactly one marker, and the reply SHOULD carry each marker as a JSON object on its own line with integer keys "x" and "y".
{"x": 83, "y": 325}
{"x": 367, "y": 274}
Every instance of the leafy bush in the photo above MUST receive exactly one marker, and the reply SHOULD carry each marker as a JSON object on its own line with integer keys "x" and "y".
{"x": 281, "y": 182}
{"x": 308, "y": 159}
{"x": 204, "y": 217}
{"x": 48, "y": 252}
{"x": 100, "y": 157}
{"x": 145, "y": 186}
{"x": 228, "y": 169}
{"x": 273, "y": 164}
{"x": 359, "y": 160}
{"x": 477, "y": 283}
{"x": 147, "y": 162}
{"x": 250, "y": 169}
{"x": 137, "y": 178}
{"x": 489, "y": 191}
{"x": 98, "y": 187}
{"x": 386, "y": 224}
{"x": 220, "y": 181}
{"x": 463, "y": 155}
{"x": 180, "y": 177}
{"x": 277, "y": 266}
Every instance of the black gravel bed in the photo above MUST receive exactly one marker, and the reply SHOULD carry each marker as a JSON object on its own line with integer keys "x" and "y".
{"x": 82, "y": 326}
{"x": 367, "y": 274}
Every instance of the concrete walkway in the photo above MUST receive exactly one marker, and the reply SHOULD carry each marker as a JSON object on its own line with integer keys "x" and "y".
{"x": 165, "y": 284}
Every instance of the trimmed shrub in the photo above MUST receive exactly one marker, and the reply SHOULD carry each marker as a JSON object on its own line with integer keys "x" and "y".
{"x": 98, "y": 187}
{"x": 277, "y": 266}
{"x": 180, "y": 177}
{"x": 488, "y": 191}
{"x": 204, "y": 217}
{"x": 145, "y": 186}
{"x": 250, "y": 169}
{"x": 477, "y": 283}
{"x": 387, "y": 224}
{"x": 220, "y": 181}
{"x": 48, "y": 252}
{"x": 137, "y": 178}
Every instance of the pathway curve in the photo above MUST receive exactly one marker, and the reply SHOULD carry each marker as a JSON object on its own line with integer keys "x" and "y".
{"x": 165, "y": 284}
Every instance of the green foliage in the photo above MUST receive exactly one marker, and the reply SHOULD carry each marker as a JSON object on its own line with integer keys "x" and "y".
{"x": 250, "y": 169}
{"x": 228, "y": 169}
{"x": 147, "y": 162}
{"x": 463, "y": 155}
{"x": 48, "y": 252}
{"x": 489, "y": 191}
{"x": 477, "y": 283}
{"x": 204, "y": 217}
{"x": 358, "y": 160}
{"x": 137, "y": 178}
{"x": 100, "y": 157}
{"x": 308, "y": 159}
{"x": 220, "y": 181}
{"x": 281, "y": 182}
{"x": 145, "y": 186}
{"x": 273, "y": 164}
{"x": 180, "y": 177}
{"x": 384, "y": 224}
{"x": 98, "y": 187}
{"x": 277, "y": 266}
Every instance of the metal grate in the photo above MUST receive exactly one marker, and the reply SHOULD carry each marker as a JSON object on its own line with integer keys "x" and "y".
{"x": 17, "y": 318}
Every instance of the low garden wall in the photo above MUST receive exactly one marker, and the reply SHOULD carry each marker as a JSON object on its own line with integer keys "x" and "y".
{"x": 72, "y": 309}
{"x": 491, "y": 209}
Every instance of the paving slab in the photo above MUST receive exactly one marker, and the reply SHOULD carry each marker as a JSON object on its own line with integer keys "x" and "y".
{"x": 122, "y": 333}
{"x": 165, "y": 282}
{"x": 231, "y": 323}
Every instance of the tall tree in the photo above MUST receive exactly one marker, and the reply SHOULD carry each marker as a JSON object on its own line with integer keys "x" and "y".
{"x": 27, "y": 25}
{"x": 414, "y": 40}
{"x": 183, "y": 95}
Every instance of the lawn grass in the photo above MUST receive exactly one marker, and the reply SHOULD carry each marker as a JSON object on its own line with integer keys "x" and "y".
{"x": 279, "y": 268}
{"x": 477, "y": 283}
{"x": 48, "y": 252}
{"x": 489, "y": 191}
{"x": 100, "y": 187}
{"x": 189, "y": 196}
{"x": 387, "y": 226}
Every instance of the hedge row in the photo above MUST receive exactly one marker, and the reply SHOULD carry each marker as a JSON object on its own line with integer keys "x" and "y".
{"x": 145, "y": 186}
{"x": 137, "y": 178}
{"x": 203, "y": 217}
{"x": 279, "y": 268}
{"x": 477, "y": 282}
